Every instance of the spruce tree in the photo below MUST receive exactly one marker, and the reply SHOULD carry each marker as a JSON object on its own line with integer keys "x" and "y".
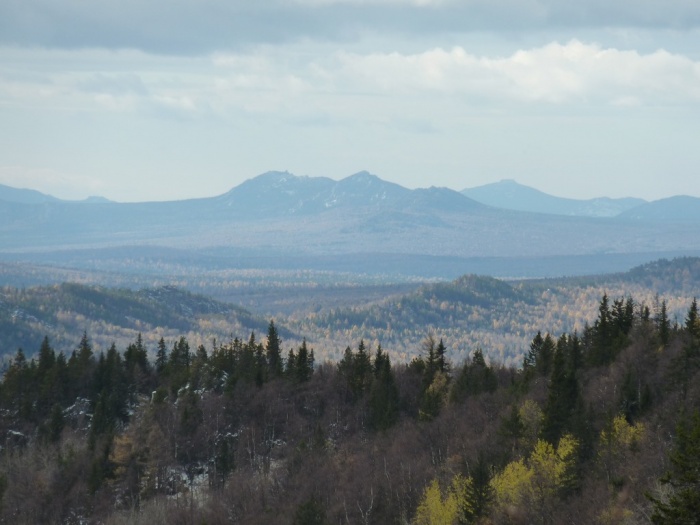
{"x": 161, "y": 357}
{"x": 384, "y": 394}
{"x": 562, "y": 398}
{"x": 663, "y": 325}
{"x": 273, "y": 352}
{"x": 692, "y": 321}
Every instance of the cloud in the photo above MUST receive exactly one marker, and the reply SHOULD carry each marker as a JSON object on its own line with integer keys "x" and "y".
{"x": 203, "y": 26}
{"x": 344, "y": 86}
{"x": 557, "y": 73}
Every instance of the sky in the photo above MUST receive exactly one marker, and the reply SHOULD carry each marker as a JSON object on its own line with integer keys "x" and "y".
{"x": 146, "y": 100}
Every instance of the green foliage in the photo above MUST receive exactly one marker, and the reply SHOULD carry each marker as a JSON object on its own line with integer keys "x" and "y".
{"x": 473, "y": 378}
{"x": 311, "y": 512}
{"x": 682, "y": 507}
{"x": 562, "y": 397}
{"x": 273, "y": 352}
{"x": 384, "y": 394}
{"x": 610, "y": 332}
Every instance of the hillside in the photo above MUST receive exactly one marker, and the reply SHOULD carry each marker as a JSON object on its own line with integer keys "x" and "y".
{"x": 601, "y": 427}
{"x": 114, "y": 316}
{"x": 498, "y": 316}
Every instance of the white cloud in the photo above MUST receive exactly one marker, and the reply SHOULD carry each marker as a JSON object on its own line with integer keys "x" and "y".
{"x": 375, "y": 86}
{"x": 556, "y": 73}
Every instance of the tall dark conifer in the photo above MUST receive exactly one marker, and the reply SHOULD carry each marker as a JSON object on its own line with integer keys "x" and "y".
{"x": 273, "y": 352}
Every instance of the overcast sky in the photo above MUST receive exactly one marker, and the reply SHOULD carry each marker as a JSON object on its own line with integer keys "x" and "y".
{"x": 170, "y": 99}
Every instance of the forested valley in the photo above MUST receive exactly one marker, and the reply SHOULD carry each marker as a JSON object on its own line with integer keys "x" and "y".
{"x": 599, "y": 425}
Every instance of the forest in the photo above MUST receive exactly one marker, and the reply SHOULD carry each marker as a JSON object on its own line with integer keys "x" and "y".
{"x": 500, "y": 316}
{"x": 593, "y": 426}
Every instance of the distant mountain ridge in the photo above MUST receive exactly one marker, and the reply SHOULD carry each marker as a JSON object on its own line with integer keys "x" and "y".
{"x": 681, "y": 208}
{"x": 280, "y": 193}
{"x": 26, "y": 196}
{"x": 10, "y": 194}
{"x": 281, "y": 216}
{"x": 510, "y": 195}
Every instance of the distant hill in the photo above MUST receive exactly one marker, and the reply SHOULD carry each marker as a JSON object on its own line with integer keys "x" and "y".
{"x": 510, "y": 195}
{"x": 64, "y": 311}
{"x": 496, "y": 315}
{"x": 681, "y": 208}
{"x": 25, "y": 196}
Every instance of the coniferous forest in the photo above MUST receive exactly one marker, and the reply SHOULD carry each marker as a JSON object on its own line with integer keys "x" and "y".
{"x": 601, "y": 426}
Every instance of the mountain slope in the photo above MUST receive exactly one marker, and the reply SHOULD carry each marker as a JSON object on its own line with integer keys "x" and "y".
{"x": 115, "y": 316}
{"x": 25, "y": 196}
{"x": 681, "y": 208}
{"x": 510, "y": 195}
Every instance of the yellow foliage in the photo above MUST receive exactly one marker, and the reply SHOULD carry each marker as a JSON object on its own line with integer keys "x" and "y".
{"x": 513, "y": 483}
{"x": 434, "y": 509}
{"x": 547, "y": 471}
{"x": 616, "y": 516}
{"x": 622, "y": 433}
{"x": 122, "y": 452}
{"x": 531, "y": 415}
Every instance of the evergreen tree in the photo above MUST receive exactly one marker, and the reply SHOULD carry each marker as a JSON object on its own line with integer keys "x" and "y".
{"x": 161, "y": 357}
{"x": 562, "y": 398}
{"x": 663, "y": 325}
{"x": 474, "y": 378}
{"x": 441, "y": 360}
{"x": 692, "y": 328}
{"x": 291, "y": 365}
{"x": 601, "y": 351}
{"x": 311, "y": 512}
{"x": 683, "y": 504}
{"x": 384, "y": 394}
{"x": 479, "y": 493}
{"x": 538, "y": 359}
{"x": 273, "y": 352}
{"x": 361, "y": 374}
{"x": 530, "y": 359}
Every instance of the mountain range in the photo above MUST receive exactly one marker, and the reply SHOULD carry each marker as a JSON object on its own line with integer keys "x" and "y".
{"x": 280, "y": 217}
